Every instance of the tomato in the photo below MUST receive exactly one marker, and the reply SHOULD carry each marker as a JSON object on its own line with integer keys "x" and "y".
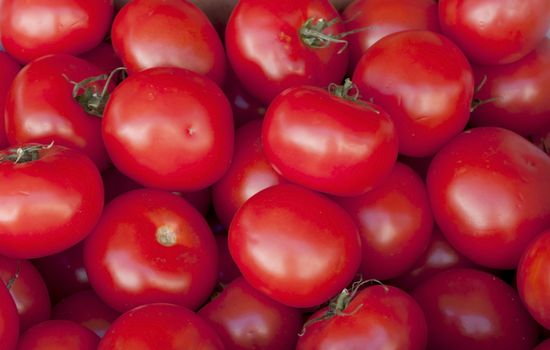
{"x": 244, "y": 318}
{"x": 375, "y": 19}
{"x": 376, "y": 318}
{"x": 495, "y": 31}
{"x": 86, "y": 309}
{"x": 274, "y": 45}
{"x": 295, "y": 245}
{"x": 329, "y": 143}
{"x": 249, "y": 173}
{"x": 9, "y": 321}
{"x": 40, "y": 107}
{"x": 533, "y": 280}
{"x": 395, "y": 223}
{"x": 168, "y": 33}
{"x": 151, "y": 246}
{"x": 50, "y": 199}
{"x": 28, "y": 290}
{"x": 58, "y": 334}
{"x": 471, "y": 309}
{"x": 424, "y": 82}
{"x": 169, "y": 128}
{"x": 485, "y": 189}
{"x": 160, "y": 326}
{"x": 8, "y": 70}
{"x": 31, "y": 29}
{"x": 516, "y": 94}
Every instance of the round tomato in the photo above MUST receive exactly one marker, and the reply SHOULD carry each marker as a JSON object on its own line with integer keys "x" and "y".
{"x": 50, "y": 199}
{"x": 169, "y": 128}
{"x": 8, "y": 70}
{"x": 56, "y": 335}
{"x": 295, "y": 245}
{"x": 9, "y": 320}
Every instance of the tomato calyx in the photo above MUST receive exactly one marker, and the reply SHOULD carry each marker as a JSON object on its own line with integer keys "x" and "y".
{"x": 15, "y": 276}
{"x": 166, "y": 236}
{"x": 312, "y": 33}
{"x": 349, "y": 91}
{"x": 25, "y": 154}
{"x": 476, "y": 102}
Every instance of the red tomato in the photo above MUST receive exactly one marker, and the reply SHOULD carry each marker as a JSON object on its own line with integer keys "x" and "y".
{"x": 9, "y": 321}
{"x": 168, "y": 33}
{"x": 50, "y": 199}
{"x": 270, "y": 46}
{"x": 375, "y": 19}
{"x": 328, "y": 143}
{"x": 246, "y": 319}
{"x": 516, "y": 93}
{"x": 160, "y": 326}
{"x": 151, "y": 246}
{"x": 471, "y": 309}
{"x": 395, "y": 223}
{"x": 28, "y": 290}
{"x": 249, "y": 173}
{"x": 41, "y": 108}
{"x": 56, "y": 335}
{"x": 533, "y": 278}
{"x": 486, "y": 187}
{"x": 495, "y": 31}
{"x": 377, "y": 318}
{"x": 8, "y": 70}
{"x": 295, "y": 245}
{"x": 169, "y": 128}
{"x": 31, "y": 29}
{"x": 425, "y": 84}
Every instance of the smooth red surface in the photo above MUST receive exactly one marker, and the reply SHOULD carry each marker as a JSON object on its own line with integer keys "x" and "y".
{"x": 103, "y": 56}
{"x": 545, "y": 345}
{"x": 57, "y": 335}
{"x": 8, "y": 70}
{"x": 9, "y": 320}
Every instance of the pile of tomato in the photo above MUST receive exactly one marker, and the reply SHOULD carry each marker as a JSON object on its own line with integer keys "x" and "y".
{"x": 276, "y": 175}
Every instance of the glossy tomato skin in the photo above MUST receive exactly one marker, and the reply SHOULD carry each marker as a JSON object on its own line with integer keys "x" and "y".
{"x": 65, "y": 26}
{"x": 327, "y": 143}
{"x": 244, "y": 318}
{"x": 485, "y": 189}
{"x": 295, "y": 245}
{"x": 8, "y": 70}
{"x": 160, "y": 326}
{"x": 58, "y": 199}
{"x": 379, "y": 317}
{"x": 40, "y": 107}
{"x": 169, "y": 128}
{"x": 391, "y": 71}
{"x": 151, "y": 246}
{"x": 471, "y": 309}
{"x": 173, "y": 33}
{"x": 518, "y": 93}
{"x": 533, "y": 280}
{"x": 58, "y": 334}
{"x": 495, "y": 31}
{"x": 9, "y": 320}
{"x": 395, "y": 223}
{"x": 267, "y": 54}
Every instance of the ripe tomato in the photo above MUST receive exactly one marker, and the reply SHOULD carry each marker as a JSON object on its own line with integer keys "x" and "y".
{"x": 471, "y": 309}
{"x": 9, "y": 321}
{"x": 168, "y": 33}
{"x": 50, "y": 199}
{"x": 8, "y": 70}
{"x": 486, "y": 187}
{"x": 31, "y": 29}
{"x": 495, "y": 31}
{"x": 271, "y": 46}
{"x": 424, "y": 82}
{"x": 328, "y": 143}
{"x": 295, "y": 245}
{"x": 56, "y": 335}
{"x": 151, "y": 246}
{"x": 160, "y": 326}
{"x": 169, "y": 128}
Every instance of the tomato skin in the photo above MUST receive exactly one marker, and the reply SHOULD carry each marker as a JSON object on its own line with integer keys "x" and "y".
{"x": 168, "y": 33}
{"x": 244, "y": 319}
{"x": 70, "y": 185}
{"x": 379, "y": 317}
{"x": 9, "y": 321}
{"x": 8, "y": 70}
{"x": 485, "y": 188}
{"x": 495, "y": 31}
{"x": 58, "y": 334}
{"x": 40, "y": 107}
{"x": 295, "y": 245}
{"x": 471, "y": 309}
{"x": 151, "y": 246}
{"x": 532, "y": 278}
{"x": 169, "y": 128}
{"x": 328, "y": 144}
{"x": 390, "y": 73}
{"x": 395, "y": 223}
{"x": 266, "y": 53}
{"x": 64, "y": 26}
